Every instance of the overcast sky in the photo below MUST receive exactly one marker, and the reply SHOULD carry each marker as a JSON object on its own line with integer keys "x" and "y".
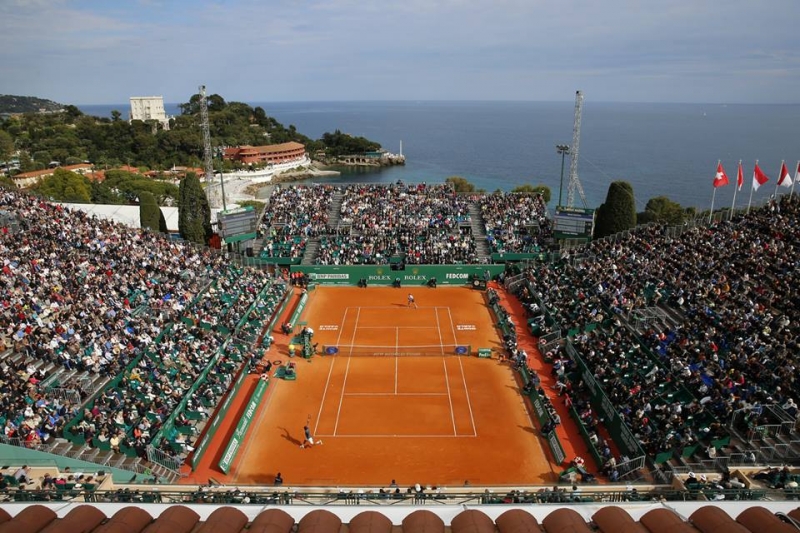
{"x": 103, "y": 51}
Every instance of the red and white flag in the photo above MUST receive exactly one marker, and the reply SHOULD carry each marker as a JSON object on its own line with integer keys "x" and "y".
{"x": 740, "y": 177}
{"x": 759, "y": 178}
{"x": 784, "y": 179}
{"x": 797, "y": 173}
{"x": 720, "y": 178}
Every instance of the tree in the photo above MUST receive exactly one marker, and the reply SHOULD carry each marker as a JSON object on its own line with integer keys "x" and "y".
{"x": 460, "y": 184}
{"x": 42, "y": 156}
{"x": 618, "y": 212}
{"x": 194, "y": 214}
{"x": 544, "y": 190}
{"x": 116, "y": 116}
{"x": 149, "y": 212}
{"x": 6, "y": 146}
{"x": 66, "y": 186}
{"x": 662, "y": 209}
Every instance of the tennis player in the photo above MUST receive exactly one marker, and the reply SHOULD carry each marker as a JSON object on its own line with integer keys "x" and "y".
{"x": 308, "y": 440}
{"x": 411, "y": 301}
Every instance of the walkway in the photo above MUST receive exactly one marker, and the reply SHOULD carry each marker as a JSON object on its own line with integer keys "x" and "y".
{"x": 568, "y": 433}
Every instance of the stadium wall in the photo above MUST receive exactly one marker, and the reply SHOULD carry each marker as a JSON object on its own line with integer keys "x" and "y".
{"x": 14, "y": 455}
{"x": 384, "y": 275}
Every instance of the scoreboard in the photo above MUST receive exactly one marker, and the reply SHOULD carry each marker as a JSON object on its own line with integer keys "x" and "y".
{"x": 237, "y": 224}
{"x": 573, "y": 223}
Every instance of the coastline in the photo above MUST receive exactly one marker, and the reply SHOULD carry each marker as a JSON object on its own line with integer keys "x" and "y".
{"x": 244, "y": 189}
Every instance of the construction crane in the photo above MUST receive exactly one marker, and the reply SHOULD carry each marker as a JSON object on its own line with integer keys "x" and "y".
{"x": 575, "y": 183}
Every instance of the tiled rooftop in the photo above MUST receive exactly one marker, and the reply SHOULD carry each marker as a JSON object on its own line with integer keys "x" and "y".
{"x": 182, "y": 519}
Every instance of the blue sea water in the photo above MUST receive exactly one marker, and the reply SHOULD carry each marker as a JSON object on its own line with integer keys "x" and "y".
{"x": 661, "y": 149}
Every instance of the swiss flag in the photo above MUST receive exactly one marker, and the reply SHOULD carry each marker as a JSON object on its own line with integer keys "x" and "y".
{"x": 720, "y": 179}
{"x": 759, "y": 178}
{"x": 784, "y": 178}
{"x": 740, "y": 176}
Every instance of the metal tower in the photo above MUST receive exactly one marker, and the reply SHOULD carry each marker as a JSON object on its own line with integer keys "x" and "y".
{"x": 208, "y": 165}
{"x": 212, "y": 189}
{"x": 574, "y": 182}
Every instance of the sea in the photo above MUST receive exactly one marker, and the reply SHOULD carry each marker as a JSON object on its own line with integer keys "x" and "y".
{"x": 661, "y": 149}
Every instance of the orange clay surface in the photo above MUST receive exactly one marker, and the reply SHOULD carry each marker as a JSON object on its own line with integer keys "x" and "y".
{"x": 433, "y": 419}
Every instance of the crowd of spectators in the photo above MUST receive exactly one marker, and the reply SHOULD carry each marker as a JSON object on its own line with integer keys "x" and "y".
{"x": 393, "y": 223}
{"x": 136, "y": 409}
{"x": 424, "y": 247}
{"x": 89, "y": 295}
{"x": 734, "y": 288}
{"x": 418, "y": 224}
{"x": 295, "y": 214}
{"x": 515, "y": 222}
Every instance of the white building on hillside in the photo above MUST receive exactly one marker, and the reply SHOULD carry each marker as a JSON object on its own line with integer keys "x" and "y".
{"x": 147, "y": 108}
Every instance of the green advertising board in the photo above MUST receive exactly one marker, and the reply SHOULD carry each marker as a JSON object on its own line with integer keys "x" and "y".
{"x": 411, "y": 275}
{"x": 241, "y": 428}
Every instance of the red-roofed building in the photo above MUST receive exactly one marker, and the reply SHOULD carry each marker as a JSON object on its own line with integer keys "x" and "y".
{"x": 273, "y": 153}
{"x": 29, "y": 179}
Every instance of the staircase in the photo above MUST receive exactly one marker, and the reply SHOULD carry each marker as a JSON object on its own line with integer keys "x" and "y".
{"x": 79, "y": 387}
{"x": 479, "y": 234}
{"x": 310, "y": 253}
{"x": 334, "y": 212}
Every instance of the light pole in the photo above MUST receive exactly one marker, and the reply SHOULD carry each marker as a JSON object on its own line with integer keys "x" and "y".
{"x": 562, "y": 149}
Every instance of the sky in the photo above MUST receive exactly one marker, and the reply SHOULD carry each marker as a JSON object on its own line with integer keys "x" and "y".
{"x": 104, "y": 51}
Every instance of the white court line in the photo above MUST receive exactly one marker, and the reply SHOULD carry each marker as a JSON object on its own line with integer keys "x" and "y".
{"x": 400, "y": 327}
{"x": 341, "y": 328}
{"x": 395, "y": 307}
{"x": 341, "y": 398}
{"x": 324, "y": 392}
{"x": 346, "y": 372}
{"x": 439, "y": 329}
{"x": 396, "y": 394}
{"x": 398, "y": 436}
{"x": 449, "y": 397}
{"x": 469, "y": 404}
{"x": 355, "y": 328}
{"x": 452, "y": 326}
{"x": 396, "y": 361}
{"x": 396, "y": 340}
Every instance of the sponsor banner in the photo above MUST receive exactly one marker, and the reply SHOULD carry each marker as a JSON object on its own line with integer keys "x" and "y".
{"x": 299, "y": 310}
{"x": 411, "y": 275}
{"x": 241, "y": 428}
{"x": 212, "y": 428}
{"x": 555, "y": 447}
{"x": 325, "y": 276}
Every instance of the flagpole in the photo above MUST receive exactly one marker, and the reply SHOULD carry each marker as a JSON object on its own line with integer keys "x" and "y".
{"x": 711, "y": 214}
{"x": 778, "y": 181}
{"x": 751, "y": 190}
{"x": 736, "y": 188}
{"x": 796, "y": 177}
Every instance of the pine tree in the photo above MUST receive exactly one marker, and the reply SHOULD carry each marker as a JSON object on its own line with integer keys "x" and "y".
{"x": 194, "y": 214}
{"x": 618, "y": 212}
{"x": 149, "y": 212}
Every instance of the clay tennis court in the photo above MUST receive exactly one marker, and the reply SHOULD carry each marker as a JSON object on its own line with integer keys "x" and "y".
{"x": 416, "y": 412}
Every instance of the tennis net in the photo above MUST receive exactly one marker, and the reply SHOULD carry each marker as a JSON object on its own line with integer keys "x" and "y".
{"x": 397, "y": 351}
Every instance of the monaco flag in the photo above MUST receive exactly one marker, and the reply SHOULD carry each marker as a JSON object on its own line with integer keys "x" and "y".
{"x": 784, "y": 179}
{"x": 759, "y": 178}
{"x": 740, "y": 177}
{"x": 720, "y": 178}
